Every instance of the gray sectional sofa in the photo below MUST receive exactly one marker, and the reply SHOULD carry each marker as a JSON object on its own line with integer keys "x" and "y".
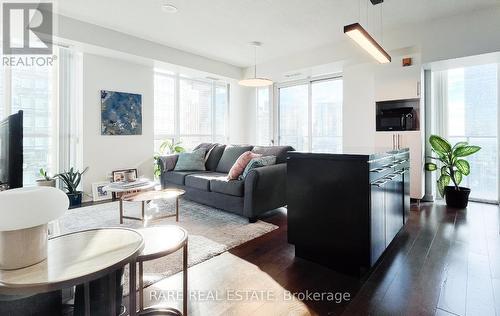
{"x": 263, "y": 189}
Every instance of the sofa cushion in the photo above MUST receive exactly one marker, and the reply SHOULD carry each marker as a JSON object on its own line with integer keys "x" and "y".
{"x": 229, "y": 157}
{"x": 214, "y": 157}
{"x": 201, "y": 181}
{"x": 278, "y": 151}
{"x": 229, "y": 187}
{"x": 191, "y": 161}
{"x": 178, "y": 177}
{"x": 240, "y": 164}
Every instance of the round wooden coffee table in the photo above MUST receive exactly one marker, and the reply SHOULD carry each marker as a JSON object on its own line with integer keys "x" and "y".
{"x": 161, "y": 241}
{"x": 147, "y": 196}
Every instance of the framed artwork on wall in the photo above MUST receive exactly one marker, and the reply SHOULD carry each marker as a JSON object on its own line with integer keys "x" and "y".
{"x": 121, "y": 113}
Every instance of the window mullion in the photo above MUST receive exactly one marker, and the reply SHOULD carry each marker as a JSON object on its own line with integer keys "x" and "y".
{"x": 177, "y": 114}
{"x": 212, "y": 110}
{"x": 309, "y": 116}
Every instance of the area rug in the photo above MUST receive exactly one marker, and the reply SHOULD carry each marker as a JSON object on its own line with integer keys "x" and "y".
{"x": 211, "y": 231}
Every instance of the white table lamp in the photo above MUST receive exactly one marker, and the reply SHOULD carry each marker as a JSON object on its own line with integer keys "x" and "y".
{"x": 24, "y": 215}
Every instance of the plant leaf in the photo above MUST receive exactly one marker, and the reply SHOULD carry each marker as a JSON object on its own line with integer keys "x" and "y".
{"x": 463, "y": 166}
{"x": 458, "y": 177}
{"x": 443, "y": 181}
{"x": 444, "y": 170}
{"x": 430, "y": 166}
{"x": 460, "y": 144}
{"x": 466, "y": 151}
{"x": 439, "y": 144}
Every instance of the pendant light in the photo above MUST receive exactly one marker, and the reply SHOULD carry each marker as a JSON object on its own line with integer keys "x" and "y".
{"x": 359, "y": 35}
{"x": 256, "y": 81}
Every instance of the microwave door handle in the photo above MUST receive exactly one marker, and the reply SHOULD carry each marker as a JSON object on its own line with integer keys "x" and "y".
{"x": 393, "y": 141}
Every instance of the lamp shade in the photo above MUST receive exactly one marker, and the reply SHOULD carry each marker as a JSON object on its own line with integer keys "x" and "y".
{"x": 255, "y": 82}
{"x": 31, "y": 206}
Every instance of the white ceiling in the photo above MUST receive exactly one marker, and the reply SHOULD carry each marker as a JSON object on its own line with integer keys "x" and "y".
{"x": 222, "y": 29}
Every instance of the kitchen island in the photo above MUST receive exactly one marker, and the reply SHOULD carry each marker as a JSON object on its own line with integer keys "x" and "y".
{"x": 344, "y": 209}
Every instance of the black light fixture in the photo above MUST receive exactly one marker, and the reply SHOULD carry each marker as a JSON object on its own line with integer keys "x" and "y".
{"x": 358, "y": 34}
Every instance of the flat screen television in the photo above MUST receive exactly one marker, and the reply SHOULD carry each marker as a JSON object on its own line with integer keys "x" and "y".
{"x": 11, "y": 151}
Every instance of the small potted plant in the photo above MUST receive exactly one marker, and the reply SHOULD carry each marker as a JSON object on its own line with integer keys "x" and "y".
{"x": 71, "y": 180}
{"x": 167, "y": 147}
{"x": 46, "y": 180}
{"x": 453, "y": 169}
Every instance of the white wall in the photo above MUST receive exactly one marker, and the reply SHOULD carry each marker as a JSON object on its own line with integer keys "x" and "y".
{"x": 106, "y": 153}
{"x": 240, "y": 129}
{"x": 358, "y": 112}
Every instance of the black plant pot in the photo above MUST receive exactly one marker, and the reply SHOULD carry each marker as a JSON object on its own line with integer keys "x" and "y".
{"x": 75, "y": 198}
{"x": 457, "y": 198}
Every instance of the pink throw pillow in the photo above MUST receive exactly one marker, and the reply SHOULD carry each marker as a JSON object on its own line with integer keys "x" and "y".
{"x": 240, "y": 164}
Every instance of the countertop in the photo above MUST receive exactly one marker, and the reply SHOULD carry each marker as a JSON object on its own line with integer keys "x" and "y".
{"x": 361, "y": 153}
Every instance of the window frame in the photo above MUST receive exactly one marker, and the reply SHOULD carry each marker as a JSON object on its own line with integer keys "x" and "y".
{"x": 270, "y": 92}
{"x": 214, "y": 84}
{"x": 54, "y": 158}
{"x": 309, "y": 82}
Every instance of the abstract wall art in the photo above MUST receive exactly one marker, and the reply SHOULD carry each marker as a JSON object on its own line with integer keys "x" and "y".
{"x": 121, "y": 113}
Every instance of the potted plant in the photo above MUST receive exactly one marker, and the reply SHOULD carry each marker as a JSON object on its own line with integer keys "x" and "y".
{"x": 453, "y": 169}
{"x": 46, "y": 181}
{"x": 71, "y": 180}
{"x": 169, "y": 146}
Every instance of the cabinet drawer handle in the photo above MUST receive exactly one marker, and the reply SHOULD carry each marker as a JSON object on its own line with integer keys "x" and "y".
{"x": 380, "y": 170}
{"x": 379, "y": 183}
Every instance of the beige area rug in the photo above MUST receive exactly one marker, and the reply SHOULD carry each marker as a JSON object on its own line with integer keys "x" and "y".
{"x": 211, "y": 231}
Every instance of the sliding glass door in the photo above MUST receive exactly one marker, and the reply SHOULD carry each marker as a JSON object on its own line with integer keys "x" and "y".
{"x": 310, "y": 115}
{"x": 293, "y": 117}
{"x": 472, "y": 116}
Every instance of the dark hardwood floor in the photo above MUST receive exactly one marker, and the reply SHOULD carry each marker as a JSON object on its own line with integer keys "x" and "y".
{"x": 444, "y": 262}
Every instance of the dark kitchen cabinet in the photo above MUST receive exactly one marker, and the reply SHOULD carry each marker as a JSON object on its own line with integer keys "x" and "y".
{"x": 345, "y": 209}
{"x": 377, "y": 224}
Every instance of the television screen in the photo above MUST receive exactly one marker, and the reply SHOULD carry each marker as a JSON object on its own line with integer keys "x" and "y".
{"x": 11, "y": 151}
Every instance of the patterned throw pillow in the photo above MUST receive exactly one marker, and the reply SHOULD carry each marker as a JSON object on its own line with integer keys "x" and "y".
{"x": 258, "y": 162}
{"x": 193, "y": 161}
{"x": 240, "y": 164}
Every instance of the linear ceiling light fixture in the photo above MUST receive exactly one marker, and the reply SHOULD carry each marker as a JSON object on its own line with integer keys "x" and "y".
{"x": 358, "y": 34}
{"x": 255, "y": 81}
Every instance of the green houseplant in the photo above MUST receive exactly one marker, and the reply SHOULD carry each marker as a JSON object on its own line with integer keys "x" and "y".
{"x": 168, "y": 146}
{"x": 71, "y": 180}
{"x": 46, "y": 180}
{"x": 453, "y": 169}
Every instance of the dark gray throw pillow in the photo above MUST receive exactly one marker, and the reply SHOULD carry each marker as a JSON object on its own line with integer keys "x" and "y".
{"x": 214, "y": 157}
{"x": 229, "y": 157}
{"x": 193, "y": 161}
{"x": 169, "y": 162}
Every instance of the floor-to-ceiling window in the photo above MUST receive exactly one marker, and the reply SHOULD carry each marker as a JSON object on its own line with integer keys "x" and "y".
{"x": 310, "y": 115}
{"x": 189, "y": 110}
{"x": 45, "y": 97}
{"x": 264, "y": 132}
{"x": 465, "y": 108}
{"x": 472, "y": 116}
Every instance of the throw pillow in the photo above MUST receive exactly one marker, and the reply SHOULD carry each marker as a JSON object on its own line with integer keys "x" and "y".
{"x": 258, "y": 162}
{"x": 240, "y": 164}
{"x": 229, "y": 157}
{"x": 193, "y": 161}
{"x": 169, "y": 162}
